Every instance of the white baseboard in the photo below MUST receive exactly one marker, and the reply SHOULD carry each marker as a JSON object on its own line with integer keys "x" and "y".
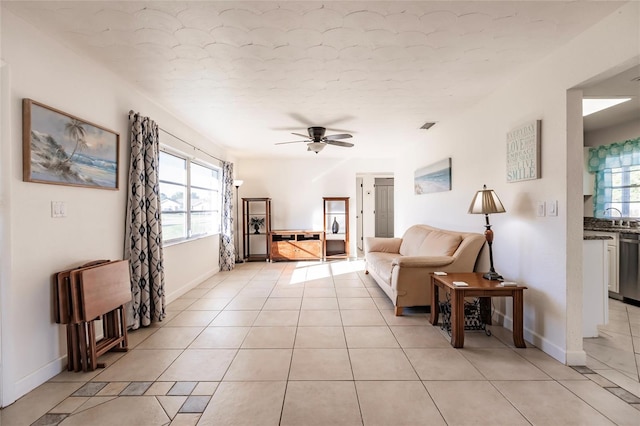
{"x": 190, "y": 285}
{"x": 35, "y": 379}
{"x": 55, "y": 367}
{"x": 542, "y": 343}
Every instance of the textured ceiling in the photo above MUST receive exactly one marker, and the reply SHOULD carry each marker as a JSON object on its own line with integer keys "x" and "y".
{"x": 246, "y": 74}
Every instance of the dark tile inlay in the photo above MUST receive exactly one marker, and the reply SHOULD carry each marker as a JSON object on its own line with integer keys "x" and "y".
{"x": 195, "y": 404}
{"x": 182, "y": 388}
{"x": 583, "y": 370}
{"x": 90, "y": 389}
{"x": 624, "y": 395}
{"x": 136, "y": 389}
{"x": 49, "y": 420}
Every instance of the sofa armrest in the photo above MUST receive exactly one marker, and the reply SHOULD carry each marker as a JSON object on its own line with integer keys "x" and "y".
{"x": 384, "y": 245}
{"x": 423, "y": 261}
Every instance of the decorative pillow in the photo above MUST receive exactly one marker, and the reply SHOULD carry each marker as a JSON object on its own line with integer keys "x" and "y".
{"x": 439, "y": 244}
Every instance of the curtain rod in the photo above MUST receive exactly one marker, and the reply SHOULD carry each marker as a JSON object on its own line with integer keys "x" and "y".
{"x": 191, "y": 145}
{"x": 131, "y": 112}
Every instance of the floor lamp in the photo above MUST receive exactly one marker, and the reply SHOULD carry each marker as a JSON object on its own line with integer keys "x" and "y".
{"x": 486, "y": 202}
{"x": 238, "y": 183}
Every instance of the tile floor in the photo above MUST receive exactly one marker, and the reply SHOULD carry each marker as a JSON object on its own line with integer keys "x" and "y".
{"x": 318, "y": 344}
{"x": 615, "y": 354}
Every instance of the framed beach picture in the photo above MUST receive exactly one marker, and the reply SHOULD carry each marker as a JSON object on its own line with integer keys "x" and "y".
{"x": 433, "y": 178}
{"x": 61, "y": 149}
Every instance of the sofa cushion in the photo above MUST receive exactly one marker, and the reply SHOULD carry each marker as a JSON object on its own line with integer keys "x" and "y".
{"x": 412, "y": 240}
{"x": 438, "y": 243}
{"x": 381, "y": 264}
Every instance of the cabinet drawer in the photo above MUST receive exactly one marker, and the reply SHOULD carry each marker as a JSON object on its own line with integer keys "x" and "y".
{"x": 282, "y": 250}
{"x": 300, "y": 250}
{"x": 309, "y": 249}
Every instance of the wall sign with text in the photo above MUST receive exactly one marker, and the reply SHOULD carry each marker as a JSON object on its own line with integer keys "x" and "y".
{"x": 523, "y": 152}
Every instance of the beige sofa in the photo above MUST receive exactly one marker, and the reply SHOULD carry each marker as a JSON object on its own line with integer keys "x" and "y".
{"x": 401, "y": 266}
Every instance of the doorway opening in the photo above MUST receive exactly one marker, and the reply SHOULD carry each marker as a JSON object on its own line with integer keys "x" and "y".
{"x": 371, "y": 206}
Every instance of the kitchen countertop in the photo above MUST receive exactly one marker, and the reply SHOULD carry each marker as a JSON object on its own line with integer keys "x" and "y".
{"x": 616, "y": 229}
{"x": 605, "y": 225}
{"x": 597, "y": 237}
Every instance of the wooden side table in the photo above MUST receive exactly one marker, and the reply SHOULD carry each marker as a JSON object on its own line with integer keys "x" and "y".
{"x": 478, "y": 287}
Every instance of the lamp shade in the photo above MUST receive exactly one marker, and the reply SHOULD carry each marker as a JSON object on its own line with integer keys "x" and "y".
{"x": 238, "y": 183}
{"x": 486, "y": 201}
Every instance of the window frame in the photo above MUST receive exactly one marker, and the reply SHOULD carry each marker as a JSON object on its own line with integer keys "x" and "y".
{"x": 188, "y": 212}
{"x": 624, "y": 205}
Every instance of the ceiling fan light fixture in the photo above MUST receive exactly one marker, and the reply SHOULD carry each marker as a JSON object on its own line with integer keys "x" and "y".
{"x": 315, "y": 146}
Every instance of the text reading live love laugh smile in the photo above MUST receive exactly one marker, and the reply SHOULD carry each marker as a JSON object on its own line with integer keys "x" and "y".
{"x": 523, "y": 152}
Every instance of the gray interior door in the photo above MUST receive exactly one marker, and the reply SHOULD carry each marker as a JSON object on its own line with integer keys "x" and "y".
{"x": 384, "y": 207}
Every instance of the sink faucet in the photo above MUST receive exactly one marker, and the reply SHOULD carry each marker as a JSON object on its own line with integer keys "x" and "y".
{"x": 613, "y": 221}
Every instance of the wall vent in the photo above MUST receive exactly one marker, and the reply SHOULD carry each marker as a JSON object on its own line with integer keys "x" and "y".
{"x": 427, "y": 125}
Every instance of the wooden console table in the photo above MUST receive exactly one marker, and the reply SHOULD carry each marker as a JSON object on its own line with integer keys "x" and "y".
{"x": 478, "y": 287}
{"x": 296, "y": 245}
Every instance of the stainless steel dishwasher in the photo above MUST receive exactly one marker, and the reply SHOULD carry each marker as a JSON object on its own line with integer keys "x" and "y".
{"x": 629, "y": 271}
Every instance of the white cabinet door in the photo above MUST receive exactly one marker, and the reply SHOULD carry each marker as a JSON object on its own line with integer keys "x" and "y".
{"x": 612, "y": 253}
{"x": 595, "y": 272}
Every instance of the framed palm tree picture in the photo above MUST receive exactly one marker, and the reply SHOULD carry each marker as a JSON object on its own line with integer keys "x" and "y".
{"x": 61, "y": 149}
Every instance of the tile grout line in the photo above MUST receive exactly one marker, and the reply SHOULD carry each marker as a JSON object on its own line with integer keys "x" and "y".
{"x": 633, "y": 347}
{"x": 387, "y": 326}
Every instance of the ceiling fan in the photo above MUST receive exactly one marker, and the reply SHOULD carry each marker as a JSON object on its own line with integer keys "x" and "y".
{"x": 316, "y": 141}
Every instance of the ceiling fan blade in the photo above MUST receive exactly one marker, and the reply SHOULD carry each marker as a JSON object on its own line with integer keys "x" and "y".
{"x": 308, "y": 123}
{"x": 300, "y": 134}
{"x": 301, "y": 119}
{"x": 340, "y": 136}
{"x": 338, "y": 120}
{"x": 339, "y": 143}
{"x": 284, "y": 143}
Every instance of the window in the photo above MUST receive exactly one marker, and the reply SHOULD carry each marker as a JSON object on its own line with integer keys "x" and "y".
{"x": 190, "y": 198}
{"x": 622, "y": 190}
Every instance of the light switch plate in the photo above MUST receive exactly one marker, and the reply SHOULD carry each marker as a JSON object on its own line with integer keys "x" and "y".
{"x": 552, "y": 208}
{"x": 58, "y": 209}
{"x": 540, "y": 209}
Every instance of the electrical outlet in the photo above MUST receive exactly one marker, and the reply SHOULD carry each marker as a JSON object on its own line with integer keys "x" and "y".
{"x": 540, "y": 209}
{"x": 552, "y": 207}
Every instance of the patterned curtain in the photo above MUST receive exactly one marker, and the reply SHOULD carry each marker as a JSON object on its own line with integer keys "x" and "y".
{"x": 143, "y": 243}
{"x": 227, "y": 246}
{"x": 605, "y": 158}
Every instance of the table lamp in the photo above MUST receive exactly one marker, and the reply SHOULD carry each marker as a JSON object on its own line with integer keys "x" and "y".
{"x": 486, "y": 202}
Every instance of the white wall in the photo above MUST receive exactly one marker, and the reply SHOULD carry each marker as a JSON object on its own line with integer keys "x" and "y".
{"x": 296, "y": 187}
{"x": 34, "y": 246}
{"x": 541, "y": 252}
{"x": 619, "y": 133}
